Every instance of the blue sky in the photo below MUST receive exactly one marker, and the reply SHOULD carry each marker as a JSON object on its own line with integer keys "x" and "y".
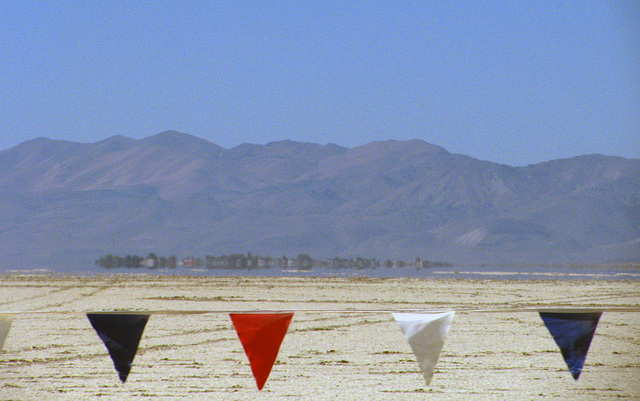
{"x": 514, "y": 82}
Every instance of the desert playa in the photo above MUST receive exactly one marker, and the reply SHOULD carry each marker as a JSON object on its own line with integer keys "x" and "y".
{"x": 342, "y": 344}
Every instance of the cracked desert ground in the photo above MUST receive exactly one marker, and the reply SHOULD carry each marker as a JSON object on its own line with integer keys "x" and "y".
{"x": 341, "y": 345}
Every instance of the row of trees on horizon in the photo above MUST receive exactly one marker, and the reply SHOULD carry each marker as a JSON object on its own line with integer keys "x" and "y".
{"x": 250, "y": 261}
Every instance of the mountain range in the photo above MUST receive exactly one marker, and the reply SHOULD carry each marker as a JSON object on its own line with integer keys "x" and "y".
{"x": 66, "y": 203}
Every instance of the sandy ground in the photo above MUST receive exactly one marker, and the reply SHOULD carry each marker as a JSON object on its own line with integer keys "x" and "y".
{"x": 327, "y": 355}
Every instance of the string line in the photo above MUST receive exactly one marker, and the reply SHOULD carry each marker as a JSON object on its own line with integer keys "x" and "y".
{"x": 355, "y": 311}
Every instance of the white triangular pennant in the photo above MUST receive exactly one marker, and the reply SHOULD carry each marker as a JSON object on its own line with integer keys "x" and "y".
{"x": 426, "y": 334}
{"x": 5, "y": 324}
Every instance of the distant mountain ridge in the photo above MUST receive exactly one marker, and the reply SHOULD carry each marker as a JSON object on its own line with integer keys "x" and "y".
{"x": 65, "y": 203}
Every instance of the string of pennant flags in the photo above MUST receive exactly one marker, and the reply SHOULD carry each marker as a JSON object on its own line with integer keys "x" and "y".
{"x": 261, "y": 334}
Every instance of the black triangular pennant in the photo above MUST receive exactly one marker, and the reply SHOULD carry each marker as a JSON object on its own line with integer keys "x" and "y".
{"x": 573, "y": 333}
{"x": 121, "y": 334}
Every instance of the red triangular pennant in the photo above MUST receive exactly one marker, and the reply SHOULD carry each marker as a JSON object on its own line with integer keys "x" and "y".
{"x": 261, "y": 335}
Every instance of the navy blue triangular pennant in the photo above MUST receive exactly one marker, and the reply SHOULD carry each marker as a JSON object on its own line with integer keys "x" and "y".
{"x": 573, "y": 333}
{"x": 121, "y": 334}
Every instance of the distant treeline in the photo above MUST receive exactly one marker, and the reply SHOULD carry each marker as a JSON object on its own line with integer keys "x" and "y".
{"x": 134, "y": 261}
{"x": 250, "y": 261}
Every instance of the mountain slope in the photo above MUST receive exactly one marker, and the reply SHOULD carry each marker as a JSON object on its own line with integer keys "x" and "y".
{"x": 64, "y": 203}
